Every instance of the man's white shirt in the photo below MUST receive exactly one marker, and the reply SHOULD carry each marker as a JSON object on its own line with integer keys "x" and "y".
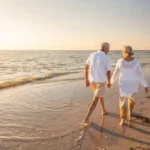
{"x": 99, "y": 63}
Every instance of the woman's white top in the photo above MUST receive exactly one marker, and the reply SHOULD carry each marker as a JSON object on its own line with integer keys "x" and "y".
{"x": 129, "y": 74}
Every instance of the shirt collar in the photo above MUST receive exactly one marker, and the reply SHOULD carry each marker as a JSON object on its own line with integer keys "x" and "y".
{"x": 100, "y": 51}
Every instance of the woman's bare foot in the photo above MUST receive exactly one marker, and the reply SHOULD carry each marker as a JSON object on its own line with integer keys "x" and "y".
{"x": 129, "y": 117}
{"x": 121, "y": 122}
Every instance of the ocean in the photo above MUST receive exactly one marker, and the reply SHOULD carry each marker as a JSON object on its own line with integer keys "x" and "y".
{"x": 21, "y": 67}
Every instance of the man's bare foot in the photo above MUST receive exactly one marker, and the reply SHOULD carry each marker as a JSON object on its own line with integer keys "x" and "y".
{"x": 121, "y": 122}
{"x": 85, "y": 123}
{"x": 105, "y": 112}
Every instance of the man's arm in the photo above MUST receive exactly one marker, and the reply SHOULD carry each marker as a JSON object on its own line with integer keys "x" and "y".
{"x": 87, "y": 75}
{"x": 108, "y": 68}
{"x": 108, "y": 78}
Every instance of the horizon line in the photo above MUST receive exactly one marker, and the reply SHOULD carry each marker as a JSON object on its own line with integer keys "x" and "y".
{"x": 65, "y": 50}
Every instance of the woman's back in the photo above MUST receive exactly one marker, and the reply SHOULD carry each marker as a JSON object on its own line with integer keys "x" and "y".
{"x": 129, "y": 69}
{"x": 129, "y": 74}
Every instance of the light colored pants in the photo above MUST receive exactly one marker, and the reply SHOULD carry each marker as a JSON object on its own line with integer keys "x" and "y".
{"x": 126, "y": 106}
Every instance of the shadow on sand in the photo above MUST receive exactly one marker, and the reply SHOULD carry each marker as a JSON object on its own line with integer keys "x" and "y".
{"x": 102, "y": 129}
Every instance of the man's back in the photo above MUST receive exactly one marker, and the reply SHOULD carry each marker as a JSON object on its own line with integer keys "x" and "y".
{"x": 99, "y": 64}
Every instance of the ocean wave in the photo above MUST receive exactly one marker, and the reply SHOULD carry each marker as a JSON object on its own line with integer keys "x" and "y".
{"x": 142, "y": 65}
{"x": 22, "y": 81}
{"x": 17, "y": 82}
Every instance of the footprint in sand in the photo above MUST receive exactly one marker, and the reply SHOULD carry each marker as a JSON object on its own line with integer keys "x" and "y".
{"x": 141, "y": 148}
{"x": 142, "y": 103}
{"x": 132, "y": 148}
{"x": 148, "y": 96}
{"x": 141, "y": 109}
{"x": 142, "y": 118}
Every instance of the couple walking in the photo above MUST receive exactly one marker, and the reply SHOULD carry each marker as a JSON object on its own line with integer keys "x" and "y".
{"x": 98, "y": 74}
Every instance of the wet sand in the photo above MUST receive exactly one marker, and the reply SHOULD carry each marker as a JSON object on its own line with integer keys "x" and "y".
{"x": 43, "y": 116}
{"x": 47, "y": 116}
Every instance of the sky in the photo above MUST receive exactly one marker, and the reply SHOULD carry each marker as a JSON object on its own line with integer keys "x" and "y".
{"x": 74, "y": 24}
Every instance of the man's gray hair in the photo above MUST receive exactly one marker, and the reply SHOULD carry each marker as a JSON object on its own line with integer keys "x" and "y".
{"x": 104, "y": 44}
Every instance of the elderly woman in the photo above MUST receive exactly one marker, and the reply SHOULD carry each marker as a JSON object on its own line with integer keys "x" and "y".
{"x": 129, "y": 72}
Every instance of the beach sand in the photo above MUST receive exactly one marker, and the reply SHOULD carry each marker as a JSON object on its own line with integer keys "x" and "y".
{"x": 46, "y": 115}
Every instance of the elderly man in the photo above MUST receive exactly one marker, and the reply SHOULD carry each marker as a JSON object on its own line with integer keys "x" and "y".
{"x": 98, "y": 74}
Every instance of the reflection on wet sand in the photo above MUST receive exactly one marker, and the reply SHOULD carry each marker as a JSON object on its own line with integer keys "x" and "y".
{"x": 98, "y": 138}
{"x": 102, "y": 137}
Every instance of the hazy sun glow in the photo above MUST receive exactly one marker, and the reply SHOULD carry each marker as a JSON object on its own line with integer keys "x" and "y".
{"x": 73, "y": 25}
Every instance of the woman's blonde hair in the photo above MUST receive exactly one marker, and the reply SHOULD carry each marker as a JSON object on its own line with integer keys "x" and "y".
{"x": 129, "y": 50}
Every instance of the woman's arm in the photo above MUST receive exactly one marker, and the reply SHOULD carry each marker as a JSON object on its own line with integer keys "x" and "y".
{"x": 141, "y": 76}
{"x": 115, "y": 73}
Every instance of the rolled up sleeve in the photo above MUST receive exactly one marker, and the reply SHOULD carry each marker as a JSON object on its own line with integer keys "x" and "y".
{"x": 87, "y": 62}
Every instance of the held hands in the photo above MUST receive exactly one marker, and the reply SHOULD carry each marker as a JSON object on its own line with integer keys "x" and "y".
{"x": 146, "y": 89}
{"x": 108, "y": 84}
{"x": 87, "y": 83}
